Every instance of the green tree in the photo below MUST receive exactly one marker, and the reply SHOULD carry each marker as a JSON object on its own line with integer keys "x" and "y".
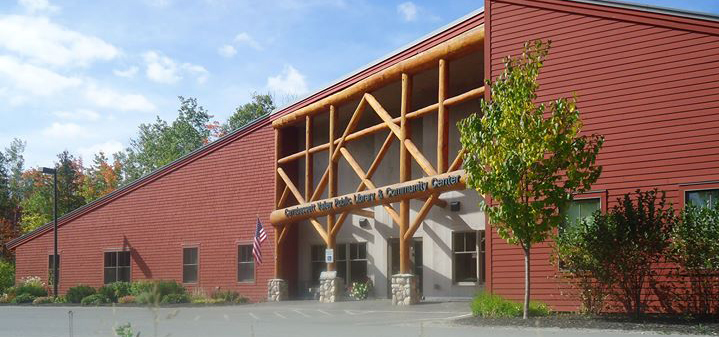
{"x": 15, "y": 162}
{"x": 527, "y": 163}
{"x": 160, "y": 143}
{"x": 261, "y": 105}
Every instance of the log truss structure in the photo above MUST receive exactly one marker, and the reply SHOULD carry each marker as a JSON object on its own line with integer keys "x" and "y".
{"x": 398, "y": 130}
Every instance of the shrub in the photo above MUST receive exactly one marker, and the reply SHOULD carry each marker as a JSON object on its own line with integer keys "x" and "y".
{"x": 7, "y": 275}
{"x": 95, "y": 299}
{"x": 6, "y": 298}
{"x": 695, "y": 247}
{"x": 77, "y": 293}
{"x": 23, "y": 298}
{"x": 115, "y": 290}
{"x": 360, "y": 290}
{"x": 170, "y": 287}
{"x": 175, "y": 298}
{"x": 126, "y": 299}
{"x": 228, "y": 296}
{"x": 60, "y": 299}
{"x": 43, "y": 300}
{"x": 30, "y": 285}
{"x": 139, "y": 287}
{"x": 494, "y": 306}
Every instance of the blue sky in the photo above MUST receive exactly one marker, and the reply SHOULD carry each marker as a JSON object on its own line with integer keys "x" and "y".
{"x": 82, "y": 75}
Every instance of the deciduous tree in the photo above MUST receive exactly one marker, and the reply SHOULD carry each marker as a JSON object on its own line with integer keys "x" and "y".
{"x": 529, "y": 158}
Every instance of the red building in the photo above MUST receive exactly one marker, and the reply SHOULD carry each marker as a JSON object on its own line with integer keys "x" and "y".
{"x": 646, "y": 79}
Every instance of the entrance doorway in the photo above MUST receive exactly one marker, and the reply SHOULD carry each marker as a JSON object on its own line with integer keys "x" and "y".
{"x": 415, "y": 259}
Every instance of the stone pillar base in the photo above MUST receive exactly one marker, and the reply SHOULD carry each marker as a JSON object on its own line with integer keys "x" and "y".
{"x": 404, "y": 289}
{"x": 277, "y": 290}
{"x": 331, "y": 287}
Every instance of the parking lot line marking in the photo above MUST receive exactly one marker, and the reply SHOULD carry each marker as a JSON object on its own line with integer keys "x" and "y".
{"x": 324, "y": 312}
{"x": 254, "y": 317}
{"x": 302, "y": 313}
{"x": 280, "y": 315}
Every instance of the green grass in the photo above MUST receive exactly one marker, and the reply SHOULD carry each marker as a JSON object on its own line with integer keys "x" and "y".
{"x": 494, "y": 306}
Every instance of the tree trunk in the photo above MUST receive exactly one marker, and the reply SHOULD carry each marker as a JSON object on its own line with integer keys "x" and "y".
{"x": 526, "y": 282}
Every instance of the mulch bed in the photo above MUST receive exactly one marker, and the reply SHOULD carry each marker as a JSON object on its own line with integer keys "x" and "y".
{"x": 655, "y": 323}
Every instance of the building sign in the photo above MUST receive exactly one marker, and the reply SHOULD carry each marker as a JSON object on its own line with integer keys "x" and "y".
{"x": 329, "y": 255}
{"x": 418, "y": 188}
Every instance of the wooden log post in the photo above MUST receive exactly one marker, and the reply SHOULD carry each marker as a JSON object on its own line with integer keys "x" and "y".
{"x": 332, "y": 188}
{"x": 308, "y": 158}
{"x": 405, "y": 174}
{"x": 442, "y": 118}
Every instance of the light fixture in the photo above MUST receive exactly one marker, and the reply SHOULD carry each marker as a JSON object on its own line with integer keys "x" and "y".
{"x": 364, "y": 223}
{"x": 454, "y": 206}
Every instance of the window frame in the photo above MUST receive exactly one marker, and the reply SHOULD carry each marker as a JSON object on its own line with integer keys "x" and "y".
{"x": 182, "y": 259}
{"x": 479, "y": 259}
{"x": 694, "y": 187}
{"x": 238, "y": 262}
{"x": 117, "y": 250}
{"x": 59, "y": 265}
{"x": 349, "y": 259}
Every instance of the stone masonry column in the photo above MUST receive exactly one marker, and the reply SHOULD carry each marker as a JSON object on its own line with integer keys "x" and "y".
{"x": 277, "y": 290}
{"x": 404, "y": 289}
{"x": 331, "y": 287}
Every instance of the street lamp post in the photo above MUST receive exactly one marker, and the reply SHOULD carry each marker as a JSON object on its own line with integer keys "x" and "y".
{"x": 55, "y": 258}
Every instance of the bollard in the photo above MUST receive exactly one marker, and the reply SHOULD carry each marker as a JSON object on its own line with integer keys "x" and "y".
{"x": 69, "y": 316}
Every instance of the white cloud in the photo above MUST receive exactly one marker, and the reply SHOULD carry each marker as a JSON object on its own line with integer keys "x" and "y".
{"x": 108, "y": 98}
{"x": 33, "y": 79}
{"x": 408, "y": 10}
{"x": 127, "y": 73}
{"x": 289, "y": 82}
{"x": 79, "y": 114}
{"x": 44, "y": 42}
{"x": 227, "y": 51}
{"x": 65, "y": 131}
{"x": 163, "y": 69}
{"x": 244, "y": 38}
{"x": 108, "y": 148}
{"x": 34, "y": 6}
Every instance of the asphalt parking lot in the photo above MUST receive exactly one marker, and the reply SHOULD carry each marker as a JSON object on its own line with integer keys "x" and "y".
{"x": 295, "y": 318}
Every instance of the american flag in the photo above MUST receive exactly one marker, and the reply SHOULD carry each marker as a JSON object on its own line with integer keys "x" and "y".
{"x": 260, "y": 237}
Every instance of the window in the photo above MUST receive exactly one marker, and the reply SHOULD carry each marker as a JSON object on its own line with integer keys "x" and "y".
{"x": 51, "y": 268}
{"x": 468, "y": 251}
{"x": 117, "y": 267}
{"x": 317, "y": 259}
{"x": 358, "y": 262}
{"x": 245, "y": 264}
{"x": 703, "y": 198}
{"x": 577, "y": 210}
{"x": 350, "y": 261}
{"x": 190, "y": 263}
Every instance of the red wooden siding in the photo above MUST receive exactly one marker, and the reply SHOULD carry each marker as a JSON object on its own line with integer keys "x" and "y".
{"x": 647, "y": 82}
{"x": 211, "y": 202}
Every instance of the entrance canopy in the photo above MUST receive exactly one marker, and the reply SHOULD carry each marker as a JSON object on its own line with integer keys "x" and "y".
{"x": 436, "y": 178}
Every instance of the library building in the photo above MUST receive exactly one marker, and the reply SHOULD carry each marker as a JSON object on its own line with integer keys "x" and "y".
{"x": 362, "y": 181}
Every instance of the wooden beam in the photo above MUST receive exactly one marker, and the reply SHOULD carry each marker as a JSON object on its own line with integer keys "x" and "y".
{"x": 457, "y": 161}
{"x": 283, "y": 198}
{"x": 405, "y": 172}
{"x": 442, "y": 118}
{"x": 291, "y": 185}
{"x": 420, "y": 217}
{"x": 413, "y": 189}
{"x": 383, "y": 114}
{"x": 472, "y": 94}
{"x": 453, "y": 48}
{"x": 363, "y": 212}
{"x": 284, "y": 231}
{"x": 439, "y": 202}
{"x": 332, "y": 177}
{"x": 363, "y": 177}
{"x": 308, "y": 157}
{"x": 321, "y": 231}
{"x": 419, "y": 157}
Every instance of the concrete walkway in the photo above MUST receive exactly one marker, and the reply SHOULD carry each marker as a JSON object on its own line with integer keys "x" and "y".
{"x": 295, "y": 318}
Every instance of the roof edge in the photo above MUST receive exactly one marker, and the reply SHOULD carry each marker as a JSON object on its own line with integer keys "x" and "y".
{"x": 146, "y": 179}
{"x": 653, "y": 9}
